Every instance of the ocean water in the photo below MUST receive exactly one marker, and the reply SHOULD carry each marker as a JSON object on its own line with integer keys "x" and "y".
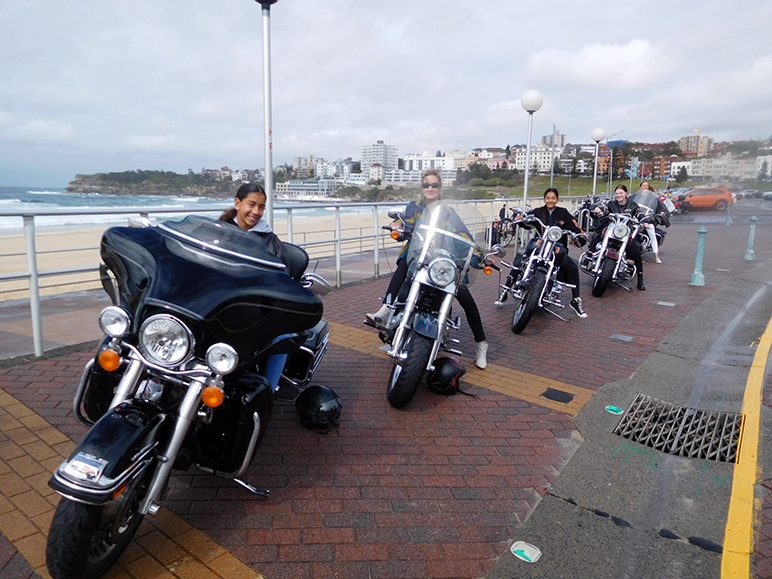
{"x": 17, "y": 199}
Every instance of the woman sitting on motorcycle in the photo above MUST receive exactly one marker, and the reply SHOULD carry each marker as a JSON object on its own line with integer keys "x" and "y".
{"x": 551, "y": 214}
{"x": 648, "y": 197}
{"x": 621, "y": 204}
{"x": 431, "y": 184}
{"x": 247, "y": 213}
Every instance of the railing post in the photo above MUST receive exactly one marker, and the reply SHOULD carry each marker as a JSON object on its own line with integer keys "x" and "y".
{"x": 290, "y": 232}
{"x": 750, "y": 254}
{"x": 338, "y": 273}
{"x": 697, "y": 277}
{"x": 490, "y": 228}
{"x": 34, "y": 288}
{"x": 728, "y": 220}
{"x": 376, "y": 256}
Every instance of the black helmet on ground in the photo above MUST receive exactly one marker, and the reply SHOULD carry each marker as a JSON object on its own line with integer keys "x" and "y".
{"x": 318, "y": 408}
{"x": 446, "y": 376}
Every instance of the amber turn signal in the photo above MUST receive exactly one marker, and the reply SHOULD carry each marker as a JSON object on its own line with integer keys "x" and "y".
{"x": 212, "y": 396}
{"x": 394, "y": 234}
{"x": 109, "y": 360}
{"x": 488, "y": 270}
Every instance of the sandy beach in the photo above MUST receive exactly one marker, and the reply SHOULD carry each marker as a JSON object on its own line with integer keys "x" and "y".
{"x": 65, "y": 249}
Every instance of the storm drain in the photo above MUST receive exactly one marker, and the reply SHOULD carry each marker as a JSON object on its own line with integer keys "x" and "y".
{"x": 682, "y": 431}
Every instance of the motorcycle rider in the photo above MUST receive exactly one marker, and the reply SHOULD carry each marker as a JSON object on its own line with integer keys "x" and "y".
{"x": 621, "y": 204}
{"x": 648, "y": 197}
{"x": 247, "y": 213}
{"x": 431, "y": 184}
{"x": 550, "y": 214}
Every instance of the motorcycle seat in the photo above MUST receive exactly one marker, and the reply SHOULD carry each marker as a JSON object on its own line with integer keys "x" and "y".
{"x": 295, "y": 258}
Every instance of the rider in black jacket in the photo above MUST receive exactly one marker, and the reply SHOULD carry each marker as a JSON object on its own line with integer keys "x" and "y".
{"x": 621, "y": 204}
{"x": 550, "y": 214}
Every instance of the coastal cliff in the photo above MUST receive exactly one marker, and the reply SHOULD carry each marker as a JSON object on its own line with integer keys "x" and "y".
{"x": 151, "y": 183}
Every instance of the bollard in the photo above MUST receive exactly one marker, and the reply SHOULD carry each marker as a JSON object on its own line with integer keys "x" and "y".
{"x": 750, "y": 255}
{"x": 697, "y": 277}
{"x": 728, "y": 216}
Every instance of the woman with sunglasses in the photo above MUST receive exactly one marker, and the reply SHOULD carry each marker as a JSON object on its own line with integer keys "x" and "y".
{"x": 431, "y": 186}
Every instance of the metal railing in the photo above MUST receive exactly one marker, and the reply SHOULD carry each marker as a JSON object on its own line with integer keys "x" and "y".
{"x": 331, "y": 241}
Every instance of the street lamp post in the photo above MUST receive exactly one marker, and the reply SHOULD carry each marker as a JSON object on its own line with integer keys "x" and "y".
{"x": 531, "y": 102}
{"x": 597, "y": 135}
{"x": 268, "y": 131}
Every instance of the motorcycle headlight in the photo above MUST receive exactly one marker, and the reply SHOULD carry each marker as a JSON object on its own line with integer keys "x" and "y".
{"x": 165, "y": 340}
{"x": 114, "y": 321}
{"x": 620, "y": 231}
{"x": 222, "y": 358}
{"x": 554, "y": 234}
{"x": 442, "y": 271}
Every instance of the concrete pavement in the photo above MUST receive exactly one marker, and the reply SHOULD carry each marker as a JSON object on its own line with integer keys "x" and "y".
{"x": 441, "y": 489}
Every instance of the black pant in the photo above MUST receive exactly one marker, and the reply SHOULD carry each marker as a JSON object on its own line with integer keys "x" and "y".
{"x": 463, "y": 296}
{"x": 633, "y": 251}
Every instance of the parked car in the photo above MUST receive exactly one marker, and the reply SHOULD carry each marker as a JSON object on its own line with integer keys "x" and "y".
{"x": 716, "y": 198}
{"x": 747, "y": 194}
{"x": 767, "y": 195}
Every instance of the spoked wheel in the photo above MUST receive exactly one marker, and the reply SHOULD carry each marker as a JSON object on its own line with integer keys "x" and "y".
{"x": 406, "y": 374}
{"x": 529, "y": 303}
{"x": 604, "y": 277}
{"x": 506, "y": 232}
{"x": 86, "y": 540}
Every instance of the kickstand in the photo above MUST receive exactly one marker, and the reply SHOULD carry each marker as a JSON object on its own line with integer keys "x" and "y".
{"x": 557, "y": 315}
{"x": 264, "y": 493}
{"x": 624, "y": 287}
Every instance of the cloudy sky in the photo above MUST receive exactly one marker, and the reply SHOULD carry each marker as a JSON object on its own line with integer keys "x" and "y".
{"x": 101, "y": 85}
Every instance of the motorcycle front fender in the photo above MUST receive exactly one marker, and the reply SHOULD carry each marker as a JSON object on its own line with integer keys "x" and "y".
{"x": 119, "y": 446}
{"x": 426, "y": 325}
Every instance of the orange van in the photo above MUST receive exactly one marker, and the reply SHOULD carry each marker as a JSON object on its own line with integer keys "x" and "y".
{"x": 710, "y": 197}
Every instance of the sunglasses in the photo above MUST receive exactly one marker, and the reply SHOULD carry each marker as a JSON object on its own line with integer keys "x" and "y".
{"x": 432, "y": 185}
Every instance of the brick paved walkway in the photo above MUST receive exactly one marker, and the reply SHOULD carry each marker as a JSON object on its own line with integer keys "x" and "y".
{"x": 434, "y": 490}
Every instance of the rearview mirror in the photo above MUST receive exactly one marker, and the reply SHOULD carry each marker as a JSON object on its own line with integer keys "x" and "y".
{"x": 394, "y": 214}
{"x": 498, "y": 250}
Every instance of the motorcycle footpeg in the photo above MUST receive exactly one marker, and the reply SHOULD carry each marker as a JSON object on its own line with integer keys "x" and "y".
{"x": 265, "y": 493}
{"x": 454, "y": 351}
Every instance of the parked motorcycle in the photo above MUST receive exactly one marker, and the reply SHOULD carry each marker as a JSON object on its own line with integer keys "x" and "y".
{"x": 206, "y": 329}
{"x": 608, "y": 264}
{"x": 418, "y": 328}
{"x": 642, "y": 237}
{"x": 534, "y": 284}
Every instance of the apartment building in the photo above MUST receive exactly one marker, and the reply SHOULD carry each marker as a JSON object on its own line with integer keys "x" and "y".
{"x": 381, "y": 153}
{"x": 696, "y": 143}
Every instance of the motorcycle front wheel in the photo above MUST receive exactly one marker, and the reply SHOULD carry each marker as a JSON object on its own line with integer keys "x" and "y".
{"x": 406, "y": 374}
{"x": 529, "y": 303}
{"x": 604, "y": 277}
{"x": 85, "y": 541}
{"x": 506, "y": 232}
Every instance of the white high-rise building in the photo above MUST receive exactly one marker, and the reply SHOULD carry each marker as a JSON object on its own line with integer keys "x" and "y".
{"x": 381, "y": 153}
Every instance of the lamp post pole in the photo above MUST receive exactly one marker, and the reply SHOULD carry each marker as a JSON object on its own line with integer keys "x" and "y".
{"x": 597, "y": 135}
{"x": 531, "y": 102}
{"x": 268, "y": 130}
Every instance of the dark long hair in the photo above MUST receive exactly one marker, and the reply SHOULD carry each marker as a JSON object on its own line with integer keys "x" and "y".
{"x": 242, "y": 194}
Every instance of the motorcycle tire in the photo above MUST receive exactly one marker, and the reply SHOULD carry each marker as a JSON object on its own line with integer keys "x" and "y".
{"x": 685, "y": 208}
{"x": 604, "y": 277}
{"x": 506, "y": 233}
{"x": 86, "y": 540}
{"x": 405, "y": 378}
{"x": 529, "y": 303}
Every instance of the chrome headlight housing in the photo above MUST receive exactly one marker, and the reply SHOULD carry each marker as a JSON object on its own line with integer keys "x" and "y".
{"x": 442, "y": 271}
{"x": 165, "y": 340}
{"x": 222, "y": 358}
{"x": 114, "y": 321}
{"x": 620, "y": 231}
{"x": 554, "y": 234}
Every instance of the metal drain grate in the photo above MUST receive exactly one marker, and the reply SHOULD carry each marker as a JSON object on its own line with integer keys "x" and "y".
{"x": 682, "y": 431}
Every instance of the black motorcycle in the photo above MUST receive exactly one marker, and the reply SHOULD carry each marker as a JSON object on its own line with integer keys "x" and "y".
{"x": 207, "y": 329}
{"x": 418, "y": 328}
{"x": 533, "y": 282}
{"x": 608, "y": 263}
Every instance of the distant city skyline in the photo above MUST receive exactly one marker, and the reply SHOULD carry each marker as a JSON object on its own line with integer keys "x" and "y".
{"x": 105, "y": 87}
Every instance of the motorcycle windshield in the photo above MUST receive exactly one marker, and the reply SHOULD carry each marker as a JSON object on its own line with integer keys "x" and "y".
{"x": 646, "y": 199}
{"x": 222, "y": 280}
{"x": 439, "y": 232}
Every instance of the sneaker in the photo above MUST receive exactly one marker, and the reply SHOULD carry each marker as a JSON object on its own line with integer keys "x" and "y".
{"x": 657, "y": 260}
{"x": 380, "y": 316}
{"x": 576, "y": 305}
{"x": 480, "y": 355}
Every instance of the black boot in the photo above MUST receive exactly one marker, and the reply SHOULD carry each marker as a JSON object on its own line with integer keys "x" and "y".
{"x": 641, "y": 285}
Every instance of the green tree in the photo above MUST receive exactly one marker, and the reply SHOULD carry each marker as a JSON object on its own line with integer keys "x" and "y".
{"x": 764, "y": 173}
{"x": 682, "y": 176}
